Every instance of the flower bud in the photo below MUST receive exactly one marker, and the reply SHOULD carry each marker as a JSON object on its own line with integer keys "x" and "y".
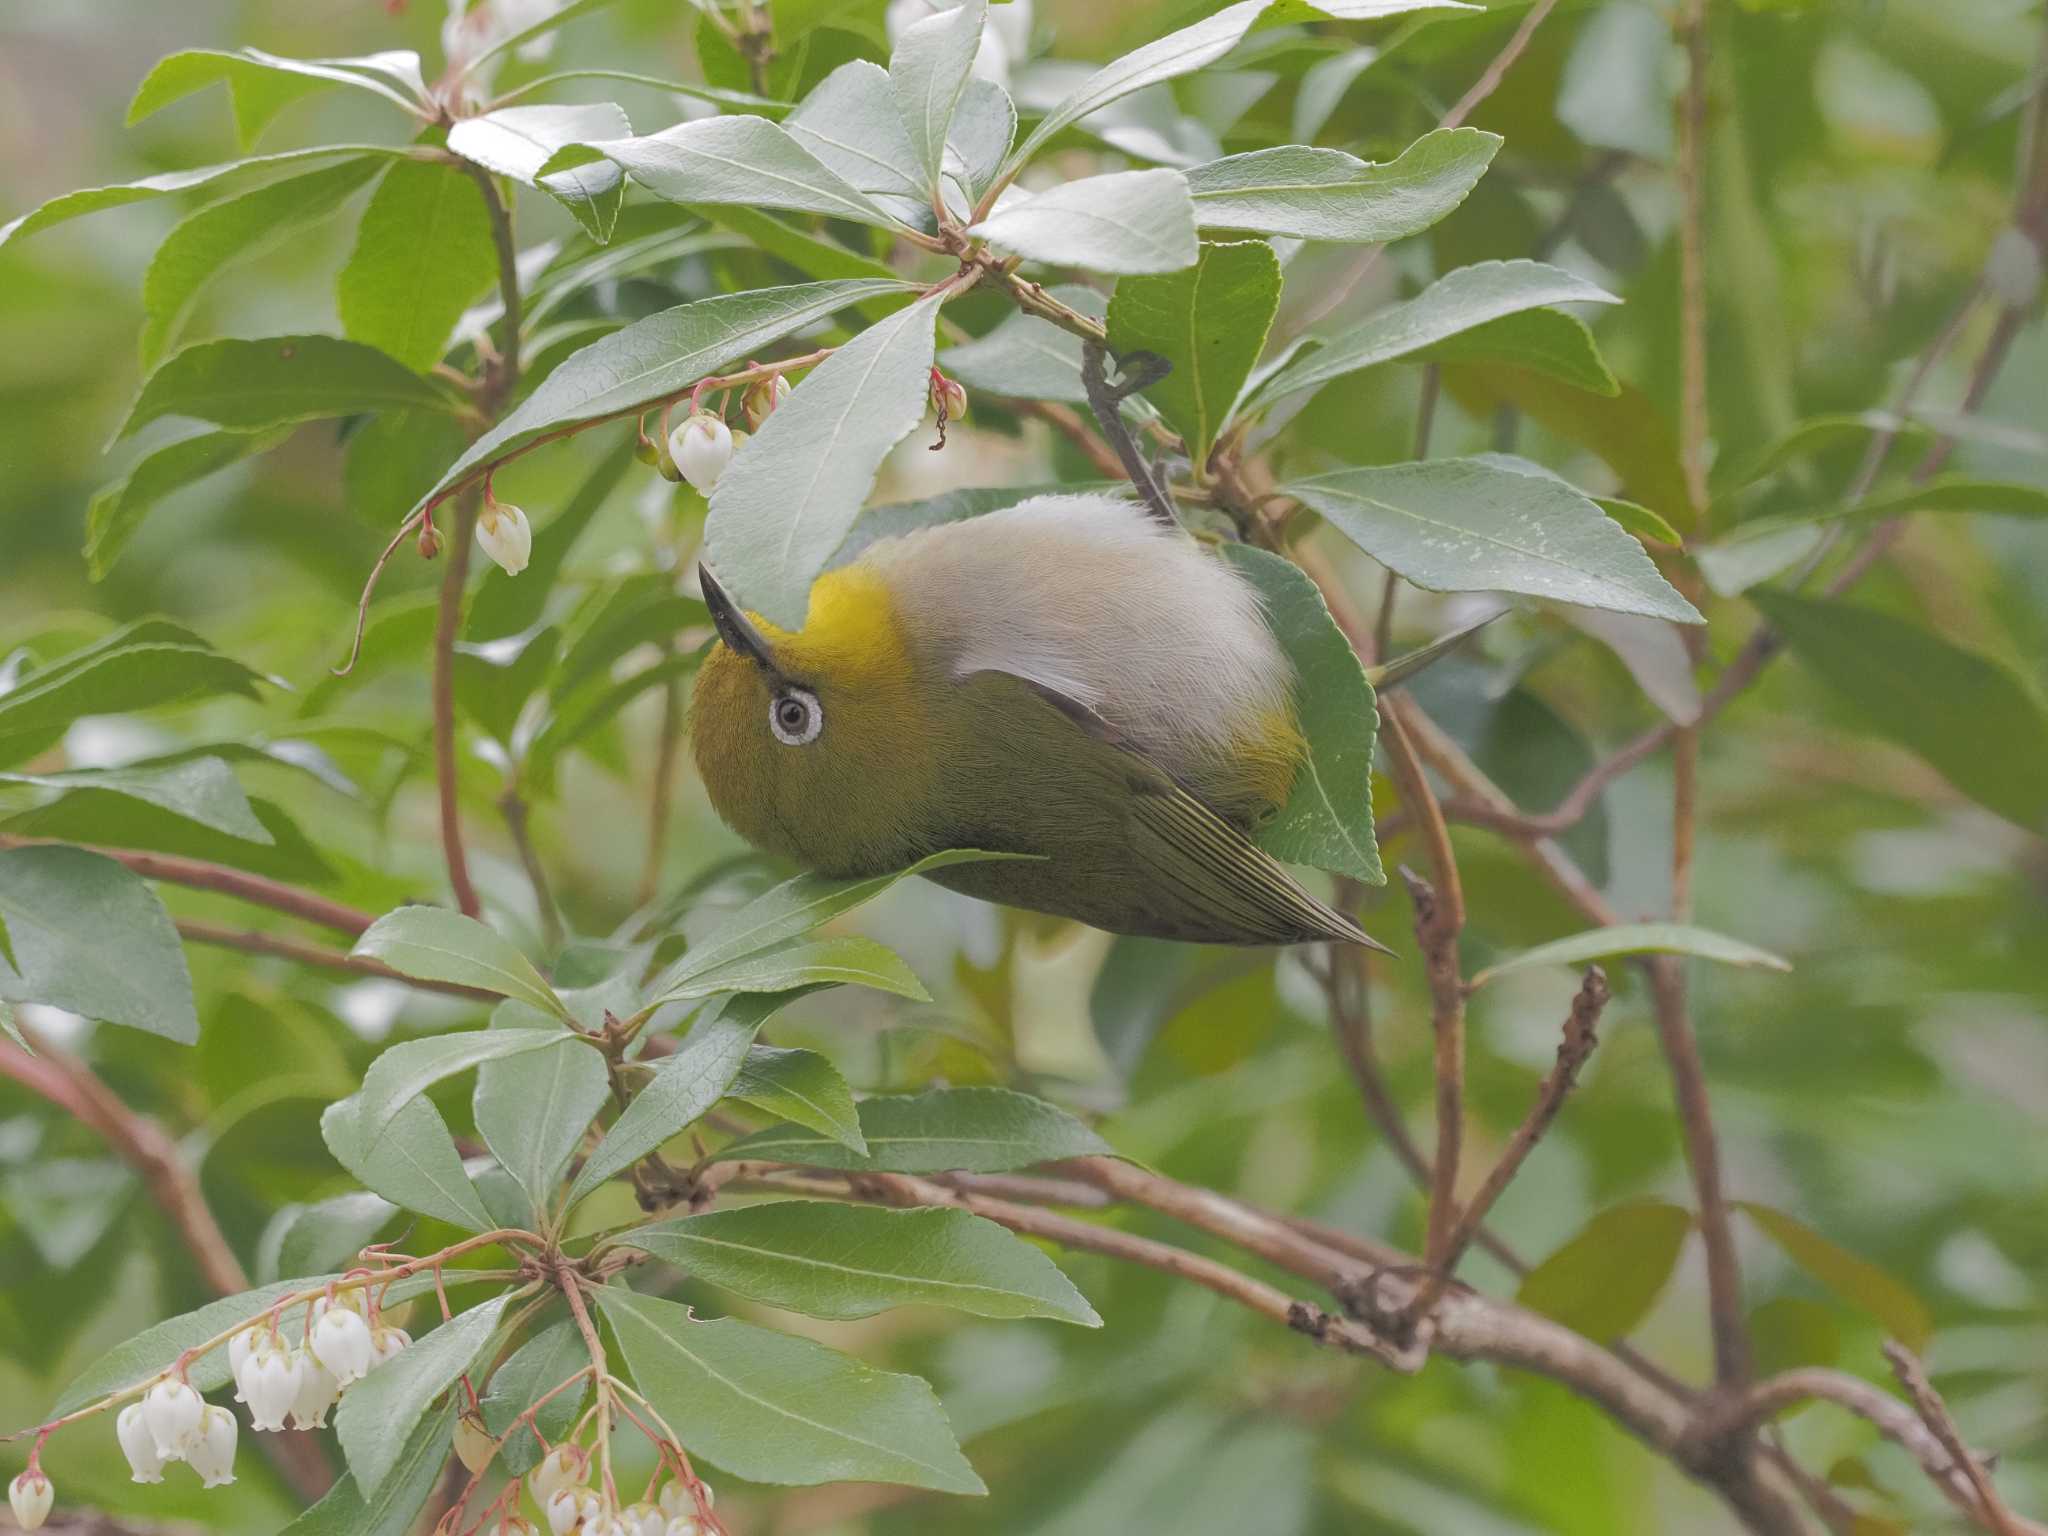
{"x": 701, "y": 447}
{"x": 341, "y": 1339}
{"x": 271, "y": 1381}
{"x": 138, "y": 1445}
{"x": 31, "y": 1495}
{"x": 950, "y": 397}
{"x": 760, "y": 400}
{"x": 564, "y": 1465}
{"x": 171, "y": 1409}
{"x": 644, "y": 1519}
{"x": 474, "y": 1444}
{"x": 213, "y": 1447}
{"x": 316, "y": 1393}
{"x": 566, "y": 1506}
{"x": 429, "y": 540}
{"x": 505, "y": 535}
{"x": 387, "y": 1344}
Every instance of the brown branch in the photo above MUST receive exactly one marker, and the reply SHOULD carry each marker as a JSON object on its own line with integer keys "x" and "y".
{"x": 299, "y": 952}
{"x": 1942, "y": 1425}
{"x": 202, "y": 876}
{"x": 1495, "y": 72}
{"x": 1068, "y": 423}
{"x": 512, "y": 805}
{"x": 1692, "y": 257}
{"x": 501, "y": 374}
{"x": 1436, "y": 930}
{"x": 1580, "y": 1038}
{"x": 1898, "y": 1422}
{"x": 446, "y": 626}
{"x": 73, "y": 1087}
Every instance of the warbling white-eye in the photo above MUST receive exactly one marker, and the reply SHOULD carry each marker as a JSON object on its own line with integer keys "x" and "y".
{"x": 1067, "y": 678}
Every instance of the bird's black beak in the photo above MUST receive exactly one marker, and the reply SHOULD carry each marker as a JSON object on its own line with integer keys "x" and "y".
{"x": 733, "y": 626}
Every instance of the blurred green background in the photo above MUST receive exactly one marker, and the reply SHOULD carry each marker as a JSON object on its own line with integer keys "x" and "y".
{"x": 1892, "y": 1092}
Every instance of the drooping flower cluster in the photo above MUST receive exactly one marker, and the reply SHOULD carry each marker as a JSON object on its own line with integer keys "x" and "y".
{"x": 277, "y": 1382}
{"x": 571, "y": 1505}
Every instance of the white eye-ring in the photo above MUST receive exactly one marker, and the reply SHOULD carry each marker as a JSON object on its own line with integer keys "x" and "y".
{"x": 794, "y": 717}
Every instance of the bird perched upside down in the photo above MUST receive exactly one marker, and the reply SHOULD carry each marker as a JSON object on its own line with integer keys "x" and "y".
{"x": 1067, "y": 678}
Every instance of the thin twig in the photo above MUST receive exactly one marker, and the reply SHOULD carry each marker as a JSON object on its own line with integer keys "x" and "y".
{"x": 446, "y": 625}
{"x": 1941, "y": 1423}
{"x": 299, "y": 952}
{"x": 200, "y": 875}
{"x": 1580, "y": 1036}
{"x": 1495, "y": 72}
{"x": 512, "y": 805}
{"x": 661, "y": 794}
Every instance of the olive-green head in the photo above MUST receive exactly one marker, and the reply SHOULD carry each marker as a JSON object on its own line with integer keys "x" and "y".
{"x": 818, "y": 744}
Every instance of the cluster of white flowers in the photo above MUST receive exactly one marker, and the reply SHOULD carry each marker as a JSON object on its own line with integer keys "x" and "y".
{"x": 571, "y": 1505}
{"x": 277, "y": 1382}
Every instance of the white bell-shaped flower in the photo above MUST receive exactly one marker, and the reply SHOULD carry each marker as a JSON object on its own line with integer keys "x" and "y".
{"x": 565, "y": 1506}
{"x": 506, "y": 536}
{"x": 603, "y": 1525}
{"x": 341, "y": 1342}
{"x": 512, "y": 1525}
{"x": 270, "y": 1383}
{"x": 171, "y": 1409}
{"x": 138, "y": 1445}
{"x": 31, "y": 1495}
{"x": 212, "y": 1454}
{"x": 683, "y": 1525}
{"x": 240, "y": 1348}
{"x": 316, "y": 1394}
{"x": 678, "y": 1501}
{"x": 643, "y": 1520}
{"x": 564, "y": 1465}
{"x": 388, "y": 1344}
{"x": 701, "y": 447}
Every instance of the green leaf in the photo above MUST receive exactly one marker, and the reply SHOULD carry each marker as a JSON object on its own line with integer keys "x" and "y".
{"x": 582, "y": 715}
{"x": 790, "y": 494}
{"x": 775, "y": 1409}
{"x": 790, "y": 910}
{"x": 434, "y": 944}
{"x": 200, "y": 789}
{"x": 118, "y": 511}
{"x": 214, "y": 238}
{"x": 928, "y": 72}
{"x": 1178, "y": 53}
{"x": 327, "y": 1235}
{"x": 1637, "y": 939}
{"x": 378, "y": 1414}
{"x": 140, "y": 666}
{"x": 1126, "y": 221}
{"x": 1327, "y": 821}
{"x": 844, "y": 959}
{"x": 520, "y": 141}
{"x": 253, "y": 385}
{"x": 802, "y": 1087}
{"x": 1461, "y": 525}
{"x": 89, "y": 936}
{"x": 682, "y": 1087}
{"x": 1790, "y": 1332}
{"x": 1210, "y": 322}
{"x": 737, "y": 159}
{"x": 537, "y": 1367}
{"x": 392, "y": 1511}
{"x": 1546, "y": 341}
{"x": 984, "y": 125}
{"x": 655, "y": 358}
{"x": 851, "y": 124}
{"x": 1392, "y": 673}
{"x": 1604, "y": 1282}
{"x": 263, "y": 84}
{"x": 838, "y": 1261}
{"x": 1026, "y": 358}
{"x": 423, "y": 254}
{"x": 407, "y": 1070}
{"x": 1983, "y": 726}
{"x": 86, "y": 200}
{"x": 1856, "y": 1281}
{"x": 1457, "y": 302}
{"x": 980, "y": 1130}
{"x": 533, "y": 1108}
{"x": 413, "y": 1163}
{"x": 1640, "y": 520}
{"x": 1325, "y": 194}
{"x": 494, "y": 679}
{"x": 559, "y": 16}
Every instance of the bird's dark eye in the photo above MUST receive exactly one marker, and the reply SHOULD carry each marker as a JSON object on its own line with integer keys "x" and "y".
{"x": 794, "y": 717}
